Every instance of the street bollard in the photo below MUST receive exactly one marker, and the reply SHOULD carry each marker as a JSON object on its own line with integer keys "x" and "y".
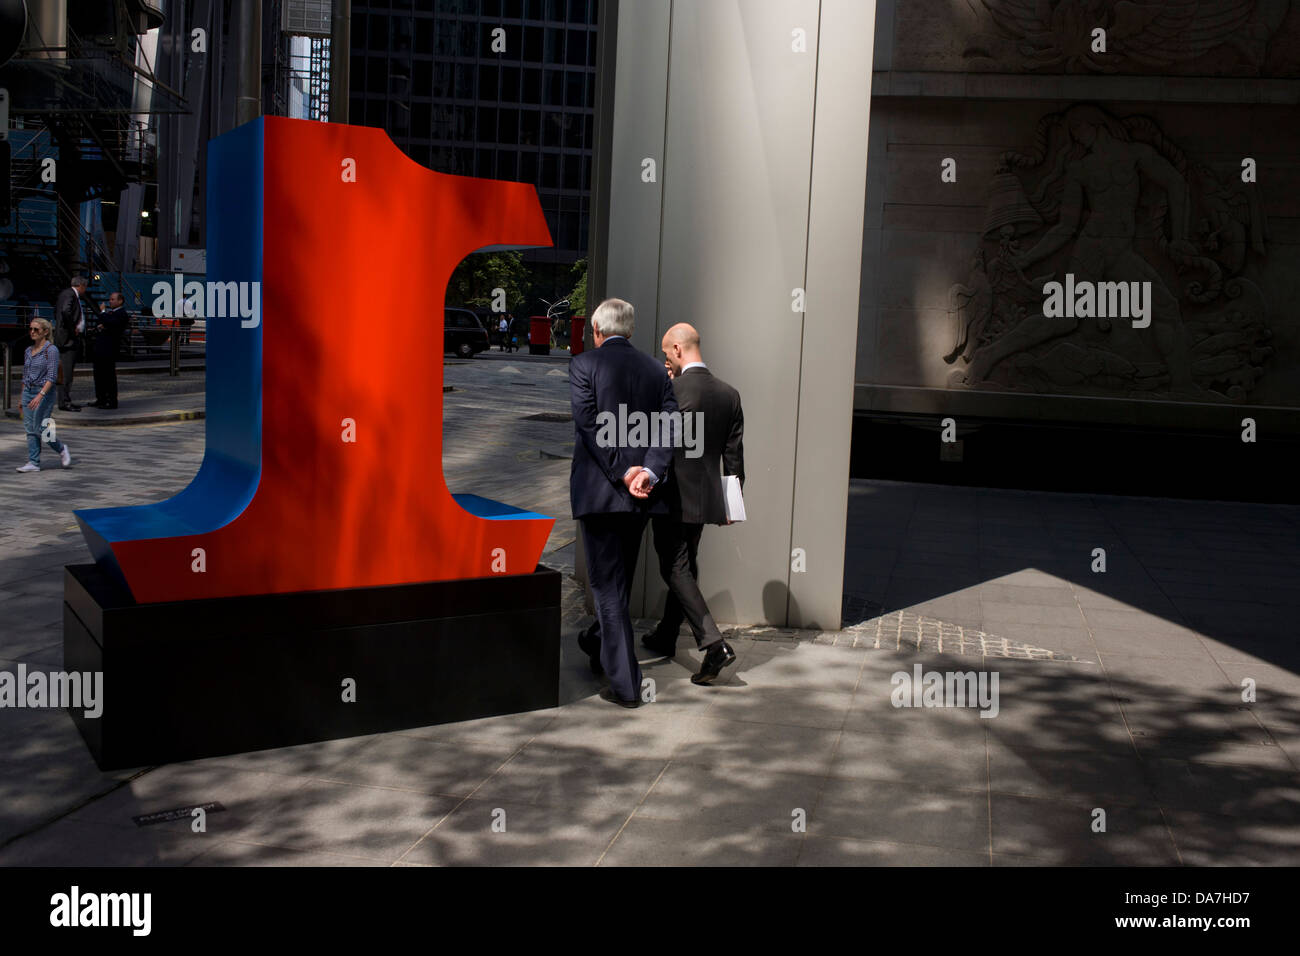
{"x": 175, "y": 368}
{"x": 8, "y": 374}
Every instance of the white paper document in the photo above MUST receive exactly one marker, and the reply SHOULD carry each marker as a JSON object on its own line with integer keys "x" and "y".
{"x": 734, "y": 499}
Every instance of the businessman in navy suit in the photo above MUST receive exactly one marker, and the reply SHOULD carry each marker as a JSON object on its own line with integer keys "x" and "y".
{"x": 614, "y": 470}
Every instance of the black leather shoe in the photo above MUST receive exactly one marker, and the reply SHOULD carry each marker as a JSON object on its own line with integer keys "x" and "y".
{"x": 717, "y": 657}
{"x": 589, "y": 644}
{"x": 663, "y": 648}
{"x": 607, "y": 693}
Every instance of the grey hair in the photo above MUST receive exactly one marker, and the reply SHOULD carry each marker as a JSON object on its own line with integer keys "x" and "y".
{"x": 81, "y": 281}
{"x": 614, "y": 317}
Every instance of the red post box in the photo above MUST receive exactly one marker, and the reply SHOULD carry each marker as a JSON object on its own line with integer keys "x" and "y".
{"x": 575, "y": 334}
{"x": 539, "y": 335}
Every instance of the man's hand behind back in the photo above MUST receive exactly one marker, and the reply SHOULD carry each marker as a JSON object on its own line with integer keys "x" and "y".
{"x": 637, "y": 482}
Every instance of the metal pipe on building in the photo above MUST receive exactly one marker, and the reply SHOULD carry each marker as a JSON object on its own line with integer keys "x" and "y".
{"x": 340, "y": 59}
{"x": 47, "y": 28}
{"x": 248, "y": 95}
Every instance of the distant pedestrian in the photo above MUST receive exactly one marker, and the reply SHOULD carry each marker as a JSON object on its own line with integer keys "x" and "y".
{"x": 40, "y": 370}
{"x": 70, "y": 326}
{"x": 503, "y": 328}
{"x": 112, "y": 322}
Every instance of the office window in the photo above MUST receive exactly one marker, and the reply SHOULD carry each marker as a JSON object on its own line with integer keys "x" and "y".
{"x": 531, "y": 91}
{"x": 483, "y": 163}
{"x": 572, "y": 170}
{"x": 400, "y": 35}
{"x": 591, "y": 48}
{"x": 464, "y": 161}
{"x": 508, "y": 126}
{"x": 399, "y": 117}
{"x": 359, "y": 32}
{"x": 444, "y": 37}
{"x": 376, "y": 75}
{"x": 487, "y": 81}
{"x": 533, "y": 40}
{"x": 422, "y": 78}
{"x": 468, "y": 41}
{"x": 443, "y": 122}
{"x": 550, "y": 171}
{"x": 553, "y": 88}
{"x": 512, "y": 9}
{"x": 491, "y": 8}
{"x": 554, "y": 46}
{"x": 424, "y": 35}
{"x": 507, "y": 165}
{"x": 588, "y": 132}
{"x": 555, "y": 9}
{"x": 575, "y": 95}
{"x": 464, "y": 81}
{"x": 535, "y": 9}
{"x": 487, "y": 124}
{"x": 510, "y": 84}
{"x": 576, "y": 48}
{"x": 529, "y": 127}
{"x": 577, "y": 11}
{"x": 421, "y": 120}
{"x": 528, "y": 168}
{"x": 442, "y": 85}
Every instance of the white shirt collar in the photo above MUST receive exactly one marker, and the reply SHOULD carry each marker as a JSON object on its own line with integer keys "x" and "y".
{"x": 690, "y": 365}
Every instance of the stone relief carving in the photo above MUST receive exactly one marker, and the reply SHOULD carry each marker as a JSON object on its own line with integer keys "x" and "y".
{"x": 1109, "y": 200}
{"x": 1141, "y": 35}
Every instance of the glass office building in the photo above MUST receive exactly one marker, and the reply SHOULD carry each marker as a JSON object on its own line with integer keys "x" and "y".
{"x": 503, "y": 89}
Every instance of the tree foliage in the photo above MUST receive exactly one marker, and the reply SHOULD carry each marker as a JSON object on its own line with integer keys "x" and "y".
{"x": 479, "y": 274}
{"x": 578, "y": 297}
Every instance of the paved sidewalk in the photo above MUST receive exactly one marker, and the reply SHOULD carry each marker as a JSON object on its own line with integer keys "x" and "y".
{"x": 1118, "y": 692}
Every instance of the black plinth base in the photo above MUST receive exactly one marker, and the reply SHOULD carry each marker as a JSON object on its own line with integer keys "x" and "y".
{"x": 190, "y": 679}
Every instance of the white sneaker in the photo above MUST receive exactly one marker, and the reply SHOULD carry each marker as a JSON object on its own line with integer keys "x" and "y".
{"x": 65, "y": 457}
{"x": 29, "y": 467}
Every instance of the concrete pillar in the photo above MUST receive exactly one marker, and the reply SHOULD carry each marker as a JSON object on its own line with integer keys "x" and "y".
{"x": 754, "y": 114}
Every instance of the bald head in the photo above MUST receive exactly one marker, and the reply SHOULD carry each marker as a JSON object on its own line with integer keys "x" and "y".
{"x": 681, "y": 346}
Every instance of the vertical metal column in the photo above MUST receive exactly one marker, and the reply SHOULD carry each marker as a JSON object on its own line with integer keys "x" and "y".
{"x": 8, "y": 373}
{"x": 248, "y": 96}
{"x": 340, "y": 59}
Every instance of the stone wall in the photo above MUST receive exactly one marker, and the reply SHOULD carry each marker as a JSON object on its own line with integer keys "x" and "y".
{"x": 1116, "y": 167}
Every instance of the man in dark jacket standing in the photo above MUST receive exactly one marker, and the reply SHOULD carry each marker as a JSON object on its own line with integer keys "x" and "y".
{"x": 695, "y": 497}
{"x": 69, "y": 327}
{"x": 614, "y": 470}
{"x": 110, "y": 326}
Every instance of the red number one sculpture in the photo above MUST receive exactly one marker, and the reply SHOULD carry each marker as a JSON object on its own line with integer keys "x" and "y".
{"x": 323, "y": 466}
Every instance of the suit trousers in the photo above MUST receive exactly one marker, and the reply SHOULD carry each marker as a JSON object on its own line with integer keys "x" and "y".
{"x": 106, "y": 380}
{"x": 677, "y": 545}
{"x": 68, "y": 363}
{"x": 612, "y": 542}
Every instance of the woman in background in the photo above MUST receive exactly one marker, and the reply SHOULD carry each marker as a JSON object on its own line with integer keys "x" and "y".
{"x": 40, "y": 371}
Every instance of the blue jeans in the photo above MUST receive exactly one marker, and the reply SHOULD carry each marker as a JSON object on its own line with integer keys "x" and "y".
{"x": 32, "y": 423}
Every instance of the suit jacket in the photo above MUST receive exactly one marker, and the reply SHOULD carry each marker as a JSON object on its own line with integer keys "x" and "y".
{"x": 115, "y": 322}
{"x": 66, "y": 314}
{"x": 620, "y": 380}
{"x": 694, "y": 495}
